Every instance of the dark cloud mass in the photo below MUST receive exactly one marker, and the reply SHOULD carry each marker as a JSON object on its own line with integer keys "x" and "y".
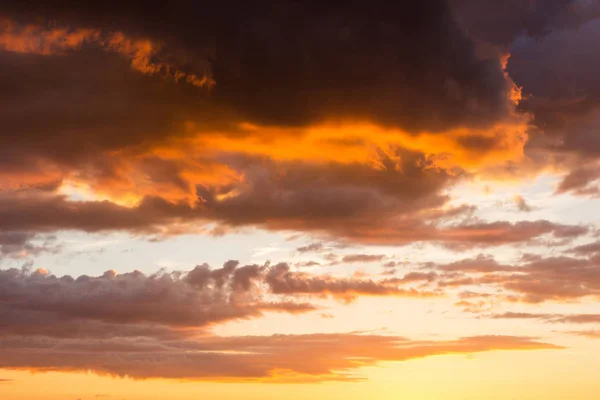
{"x": 552, "y": 58}
{"x": 294, "y": 63}
{"x": 116, "y": 99}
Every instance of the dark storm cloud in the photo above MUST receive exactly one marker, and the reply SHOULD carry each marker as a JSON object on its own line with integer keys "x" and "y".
{"x": 559, "y": 71}
{"x": 400, "y": 64}
{"x": 292, "y": 63}
{"x": 552, "y": 45}
{"x": 69, "y": 109}
{"x": 499, "y": 22}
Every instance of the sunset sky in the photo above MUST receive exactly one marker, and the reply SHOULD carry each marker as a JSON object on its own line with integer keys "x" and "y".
{"x": 294, "y": 200}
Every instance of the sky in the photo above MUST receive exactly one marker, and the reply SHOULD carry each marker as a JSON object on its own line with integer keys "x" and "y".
{"x": 299, "y": 199}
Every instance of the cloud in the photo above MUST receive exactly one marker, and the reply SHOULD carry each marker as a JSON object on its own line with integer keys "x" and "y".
{"x": 22, "y": 244}
{"x": 590, "y": 334}
{"x": 38, "y": 300}
{"x": 553, "y": 318}
{"x": 35, "y": 302}
{"x": 481, "y": 263}
{"x": 313, "y": 247}
{"x": 353, "y": 202}
{"x": 546, "y": 47}
{"x": 281, "y": 280}
{"x": 499, "y": 24}
{"x": 363, "y": 258}
{"x": 425, "y": 277}
{"x": 36, "y": 39}
{"x": 160, "y": 328}
{"x": 556, "y": 278}
{"x": 522, "y": 204}
{"x": 586, "y": 249}
{"x": 95, "y": 115}
{"x": 559, "y": 88}
{"x": 319, "y": 58}
{"x": 278, "y": 358}
{"x": 307, "y": 264}
{"x": 535, "y": 279}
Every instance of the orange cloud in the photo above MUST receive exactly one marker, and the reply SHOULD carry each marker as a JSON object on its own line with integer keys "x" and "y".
{"x": 349, "y": 142}
{"x": 143, "y": 53}
{"x": 173, "y": 169}
{"x": 277, "y": 358}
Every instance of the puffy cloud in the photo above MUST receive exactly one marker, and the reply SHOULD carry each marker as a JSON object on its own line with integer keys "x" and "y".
{"x": 37, "y": 302}
{"x": 282, "y": 280}
{"x": 195, "y": 299}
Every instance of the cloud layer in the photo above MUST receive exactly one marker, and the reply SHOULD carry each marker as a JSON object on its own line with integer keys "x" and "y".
{"x": 156, "y": 326}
